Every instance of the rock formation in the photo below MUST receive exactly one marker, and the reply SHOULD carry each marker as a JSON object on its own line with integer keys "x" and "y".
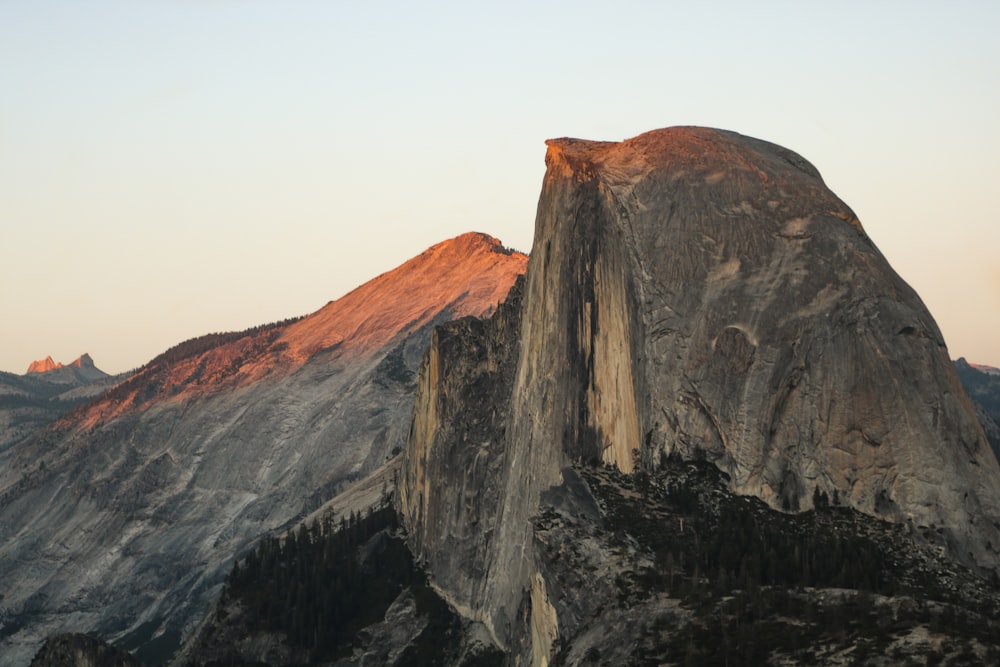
{"x": 454, "y": 463}
{"x": 129, "y": 511}
{"x": 80, "y": 371}
{"x": 43, "y": 365}
{"x": 695, "y": 292}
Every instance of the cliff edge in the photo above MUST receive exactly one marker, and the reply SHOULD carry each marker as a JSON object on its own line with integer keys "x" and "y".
{"x": 697, "y": 292}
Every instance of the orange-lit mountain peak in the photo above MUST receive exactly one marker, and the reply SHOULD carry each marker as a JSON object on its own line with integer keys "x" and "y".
{"x": 83, "y": 361}
{"x": 467, "y": 275}
{"x": 43, "y": 365}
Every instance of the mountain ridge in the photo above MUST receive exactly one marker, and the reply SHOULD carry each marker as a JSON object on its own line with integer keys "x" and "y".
{"x": 365, "y": 318}
{"x": 983, "y": 368}
{"x": 79, "y": 371}
{"x": 43, "y": 365}
{"x": 130, "y": 510}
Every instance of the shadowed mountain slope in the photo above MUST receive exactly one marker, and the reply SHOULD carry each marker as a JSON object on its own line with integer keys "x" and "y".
{"x": 122, "y": 519}
{"x": 983, "y": 385}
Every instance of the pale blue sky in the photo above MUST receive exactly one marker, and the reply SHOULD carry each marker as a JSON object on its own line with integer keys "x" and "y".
{"x": 173, "y": 168}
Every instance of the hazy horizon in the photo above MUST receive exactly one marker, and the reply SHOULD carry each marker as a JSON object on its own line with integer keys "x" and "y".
{"x": 172, "y": 169}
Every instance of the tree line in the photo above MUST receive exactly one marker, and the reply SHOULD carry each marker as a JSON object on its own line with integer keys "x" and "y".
{"x": 321, "y": 584}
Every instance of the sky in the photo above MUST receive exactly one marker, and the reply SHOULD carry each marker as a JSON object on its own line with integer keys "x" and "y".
{"x": 170, "y": 168}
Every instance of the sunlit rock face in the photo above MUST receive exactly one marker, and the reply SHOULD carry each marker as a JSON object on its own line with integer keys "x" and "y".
{"x": 694, "y": 291}
{"x": 122, "y": 519}
{"x": 79, "y": 372}
{"x": 43, "y": 365}
{"x": 768, "y": 334}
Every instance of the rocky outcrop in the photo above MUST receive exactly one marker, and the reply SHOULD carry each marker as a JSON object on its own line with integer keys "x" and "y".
{"x": 127, "y": 514}
{"x": 694, "y": 292}
{"x": 43, "y": 365}
{"x": 80, "y": 371}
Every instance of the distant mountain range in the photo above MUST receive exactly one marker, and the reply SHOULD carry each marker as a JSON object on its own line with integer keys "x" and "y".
{"x": 80, "y": 371}
{"x": 45, "y": 393}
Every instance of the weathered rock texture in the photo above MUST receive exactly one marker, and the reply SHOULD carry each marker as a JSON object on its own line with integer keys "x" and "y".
{"x": 453, "y": 467}
{"x": 694, "y": 291}
{"x": 123, "y": 518}
{"x": 43, "y": 365}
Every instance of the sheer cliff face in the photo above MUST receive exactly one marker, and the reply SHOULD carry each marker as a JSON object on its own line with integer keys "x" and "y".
{"x": 127, "y": 515}
{"x": 767, "y": 333}
{"x": 698, "y": 291}
{"x": 453, "y": 468}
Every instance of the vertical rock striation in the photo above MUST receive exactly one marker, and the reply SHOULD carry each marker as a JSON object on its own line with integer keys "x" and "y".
{"x": 694, "y": 291}
{"x": 454, "y": 462}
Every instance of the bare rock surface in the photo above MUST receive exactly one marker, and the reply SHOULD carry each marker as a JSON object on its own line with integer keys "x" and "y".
{"x": 43, "y": 365}
{"x": 80, "y": 371}
{"x": 696, "y": 292}
{"x": 122, "y": 519}
{"x": 453, "y": 466}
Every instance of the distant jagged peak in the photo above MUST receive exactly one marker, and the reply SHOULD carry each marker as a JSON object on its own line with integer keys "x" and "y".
{"x": 44, "y": 365}
{"x": 83, "y": 361}
{"x": 82, "y": 371}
